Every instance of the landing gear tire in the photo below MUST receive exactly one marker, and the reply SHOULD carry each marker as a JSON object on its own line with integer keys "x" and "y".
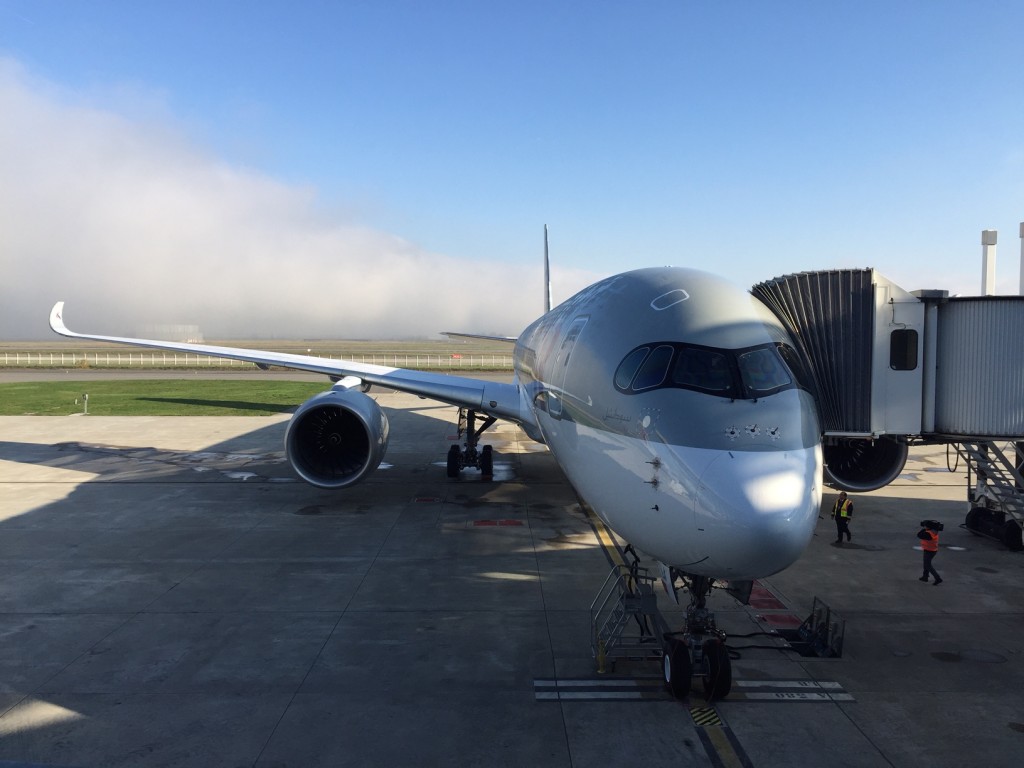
{"x": 487, "y": 463}
{"x": 454, "y": 460}
{"x": 718, "y": 680}
{"x": 677, "y": 669}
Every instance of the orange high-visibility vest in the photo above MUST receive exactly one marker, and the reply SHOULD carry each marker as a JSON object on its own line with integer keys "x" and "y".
{"x": 931, "y": 544}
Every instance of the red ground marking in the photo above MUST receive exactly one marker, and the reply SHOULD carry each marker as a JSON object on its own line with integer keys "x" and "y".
{"x": 497, "y": 522}
{"x": 761, "y": 597}
{"x": 785, "y": 620}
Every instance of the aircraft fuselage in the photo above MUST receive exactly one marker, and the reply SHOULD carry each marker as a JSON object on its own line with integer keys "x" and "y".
{"x": 669, "y": 398}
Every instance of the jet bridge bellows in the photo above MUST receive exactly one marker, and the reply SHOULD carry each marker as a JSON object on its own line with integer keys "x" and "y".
{"x": 829, "y": 315}
{"x": 857, "y": 333}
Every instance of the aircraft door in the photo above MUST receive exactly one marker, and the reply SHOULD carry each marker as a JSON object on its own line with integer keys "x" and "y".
{"x": 561, "y": 367}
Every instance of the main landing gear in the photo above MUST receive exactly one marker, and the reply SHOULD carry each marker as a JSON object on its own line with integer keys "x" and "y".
{"x": 699, "y": 650}
{"x": 482, "y": 459}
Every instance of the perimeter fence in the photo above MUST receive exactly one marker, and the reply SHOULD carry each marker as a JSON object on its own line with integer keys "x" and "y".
{"x": 158, "y": 360}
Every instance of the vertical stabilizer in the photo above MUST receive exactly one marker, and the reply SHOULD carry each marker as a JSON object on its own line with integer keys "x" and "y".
{"x": 547, "y": 274}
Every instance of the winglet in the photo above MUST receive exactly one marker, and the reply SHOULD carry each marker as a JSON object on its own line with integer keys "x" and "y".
{"x": 57, "y": 320}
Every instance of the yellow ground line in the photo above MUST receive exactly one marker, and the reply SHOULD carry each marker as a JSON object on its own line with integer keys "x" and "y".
{"x": 604, "y": 536}
{"x": 723, "y": 747}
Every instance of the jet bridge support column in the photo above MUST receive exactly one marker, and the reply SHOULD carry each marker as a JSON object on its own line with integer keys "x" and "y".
{"x": 988, "y": 261}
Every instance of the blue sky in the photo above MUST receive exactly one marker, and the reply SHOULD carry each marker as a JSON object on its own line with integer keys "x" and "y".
{"x": 395, "y": 152}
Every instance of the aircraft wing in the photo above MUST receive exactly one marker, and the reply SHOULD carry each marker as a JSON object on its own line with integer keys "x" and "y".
{"x": 496, "y": 398}
{"x": 456, "y": 335}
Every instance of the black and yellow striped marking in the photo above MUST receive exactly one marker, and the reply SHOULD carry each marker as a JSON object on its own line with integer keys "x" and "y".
{"x": 705, "y": 716}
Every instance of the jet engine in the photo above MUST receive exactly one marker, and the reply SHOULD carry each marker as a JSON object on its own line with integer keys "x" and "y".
{"x": 859, "y": 465}
{"x": 336, "y": 438}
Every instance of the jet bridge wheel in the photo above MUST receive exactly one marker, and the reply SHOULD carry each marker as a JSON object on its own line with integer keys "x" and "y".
{"x": 678, "y": 668}
{"x": 1011, "y": 537}
{"x": 718, "y": 680}
{"x": 971, "y": 521}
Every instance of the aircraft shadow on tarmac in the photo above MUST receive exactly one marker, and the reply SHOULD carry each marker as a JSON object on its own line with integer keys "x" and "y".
{"x": 206, "y": 607}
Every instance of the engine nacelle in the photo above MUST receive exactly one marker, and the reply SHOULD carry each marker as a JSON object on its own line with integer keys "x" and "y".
{"x": 859, "y": 465}
{"x": 336, "y": 438}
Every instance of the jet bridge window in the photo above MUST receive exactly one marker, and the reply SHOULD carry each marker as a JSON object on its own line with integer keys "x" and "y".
{"x": 903, "y": 349}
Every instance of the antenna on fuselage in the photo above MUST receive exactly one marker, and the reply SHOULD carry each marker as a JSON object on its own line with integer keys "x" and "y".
{"x": 547, "y": 274}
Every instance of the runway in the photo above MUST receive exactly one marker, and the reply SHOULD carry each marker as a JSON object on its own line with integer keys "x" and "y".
{"x": 172, "y": 596}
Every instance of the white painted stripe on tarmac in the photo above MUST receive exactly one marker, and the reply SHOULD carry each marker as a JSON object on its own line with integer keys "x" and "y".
{"x": 786, "y": 684}
{"x": 795, "y": 696}
{"x": 617, "y": 683}
{"x": 646, "y": 689}
{"x": 592, "y": 696}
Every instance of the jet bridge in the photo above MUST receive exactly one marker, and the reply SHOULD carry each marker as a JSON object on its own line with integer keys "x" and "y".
{"x": 890, "y": 367}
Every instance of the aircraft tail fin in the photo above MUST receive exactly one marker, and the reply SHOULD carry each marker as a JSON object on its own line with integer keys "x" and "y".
{"x": 547, "y": 274}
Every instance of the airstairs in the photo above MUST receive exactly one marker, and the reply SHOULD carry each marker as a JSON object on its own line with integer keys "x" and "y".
{"x": 624, "y": 617}
{"x": 995, "y": 489}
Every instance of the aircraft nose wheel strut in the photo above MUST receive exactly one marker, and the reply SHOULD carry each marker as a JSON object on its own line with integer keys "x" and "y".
{"x": 699, "y": 650}
{"x": 481, "y": 458}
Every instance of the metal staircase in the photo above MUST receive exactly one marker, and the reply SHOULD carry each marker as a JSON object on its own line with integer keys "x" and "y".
{"x": 624, "y": 617}
{"x": 996, "y": 492}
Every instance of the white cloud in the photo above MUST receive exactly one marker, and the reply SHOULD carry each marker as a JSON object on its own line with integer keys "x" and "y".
{"x": 132, "y": 225}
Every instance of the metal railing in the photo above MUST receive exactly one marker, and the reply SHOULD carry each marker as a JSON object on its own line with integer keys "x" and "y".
{"x": 157, "y": 360}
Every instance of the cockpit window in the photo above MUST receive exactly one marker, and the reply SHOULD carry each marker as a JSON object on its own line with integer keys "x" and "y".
{"x": 733, "y": 373}
{"x": 763, "y": 371}
{"x": 704, "y": 369}
{"x": 628, "y": 367}
{"x": 655, "y": 368}
{"x": 796, "y": 366}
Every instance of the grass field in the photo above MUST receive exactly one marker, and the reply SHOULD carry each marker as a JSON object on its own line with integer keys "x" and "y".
{"x": 156, "y": 397}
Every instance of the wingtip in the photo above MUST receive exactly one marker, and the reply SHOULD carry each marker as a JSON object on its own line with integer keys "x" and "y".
{"x": 57, "y": 318}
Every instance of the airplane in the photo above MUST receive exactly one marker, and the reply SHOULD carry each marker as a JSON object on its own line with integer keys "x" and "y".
{"x": 672, "y": 400}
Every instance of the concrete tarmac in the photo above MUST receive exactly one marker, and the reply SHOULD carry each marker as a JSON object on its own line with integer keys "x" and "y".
{"x": 171, "y": 596}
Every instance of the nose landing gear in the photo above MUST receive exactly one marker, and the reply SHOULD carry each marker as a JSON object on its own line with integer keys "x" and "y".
{"x": 699, "y": 650}
{"x": 626, "y": 623}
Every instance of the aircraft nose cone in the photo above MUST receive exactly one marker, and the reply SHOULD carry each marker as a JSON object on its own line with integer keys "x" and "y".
{"x": 757, "y": 510}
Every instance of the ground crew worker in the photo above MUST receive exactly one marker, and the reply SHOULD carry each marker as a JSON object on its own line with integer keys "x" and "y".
{"x": 929, "y": 547}
{"x": 842, "y": 513}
